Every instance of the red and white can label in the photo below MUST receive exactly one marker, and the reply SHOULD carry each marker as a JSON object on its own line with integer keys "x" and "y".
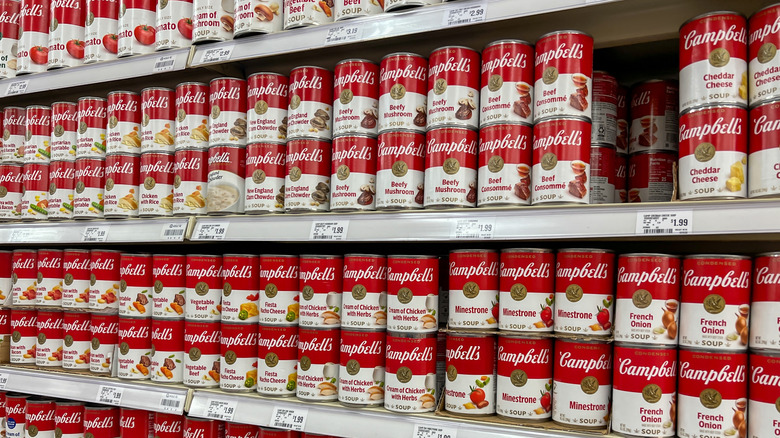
{"x": 763, "y": 65}
{"x": 582, "y": 383}
{"x": 135, "y": 285}
{"x": 715, "y": 305}
{"x": 6, "y": 284}
{"x": 364, "y": 301}
{"x": 307, "y": 182}
{"x": 227, "y": 98}
{"x": 604, "y": 114}
{"x": 238, "y": 350}
{"x": 77, "y": 340}
{"x": 527, "y": 287}
{"x": 100, "y": 32}
{"x": 136, "y": 28}
{"x": 101, "y": 421}
{"x": 167, "y": 350}
{"x": 33, "y": 53}
{"x": 227, "y": 166}
{"x": 66, "y": 33}
{"x": 9, "y": 26}
{"x": 362, "y": 371}
{"x": 120, "y": 198}
{"x": 413, "y": 293}
{"x": 201, "y": 353}
{"x": 69, "y": 419}
{"x": 410, "y": 373}
{"x": 48, "y": 348}
{"x": 621, "y": 179}
{"x": 311, "y": 99}
{"x": 298, "y": 13}
{"x": 76, "y": 276}
{"x": 318, "y": 364}
{"x": 345, "y": 9}
{"x": 205, "y": 24}
{"x": 453, "y": 88}
{"x": 584, "y": 281}
{"x": 192, "y": 116}
{"x": 644, "y": 391}
{"x": 712, "y": 393}
{"x": 505, "y": 165}
{"x": 204, "y": 288}
{"x": 104, "y": 280}
{"x": 105, "y": 332}
{"x": 24, "y": 276}
{"x": 764, "y": 159}
{"x": 174, "y": 25}
{"x": 563, "y": 68}
{"x": 264, "y": 182}
{"x": 38, "y": 133}
{"x": 35, "y": 191}
{"x": 277, "y": 360}
{"x": 602, "y": 174}
{"x": 11, "y": 183}
{"x": 39, "y": 418}
{"x": 15, "y": 416}
{"x": 400, "y": 171}
{"x": 91, "y": 117}
{"x": 198, "y": 427}
{"x": 713, "y": 60}
{"x": 64, "y": 128}
{"x": 765, "y": 303}
{"x": 561, "y": 162}
{"x": 158, "y": 111}
{"x": 473, "y": 289}
{"x": 14, "y": 120}
{"x": 155, "y": 189}
{"x": 253, "y": 16}
{"x": 135, "y": 348}
{"x": 169, "y": 280}
{"x": 355, "y": 97}
{"x": 240, "y": 288}
{"x": 621, "y": 141}
{"x": 267, "y": 101}
{"x": 320, "y": 280}
{"x": 24, "y": 332}
{"x": 190, "y": 173}
{"x": 50, "y": 275}
{"x": 279, "y": 292}
{"x": 763, "y": 396}
{"x": 236, "y": 430}
{"x": 403, "y": 91}
{"x": 62, "y": 175}
{"x": 123, "y": 130}
{"x": 451, "y": 168}
{"x": 524, "y": 378}
{"x": 353, "y": 172}
{"x": 470, "y": 361}
{"x": 654, "y": 117}
{"x": 136, "y": 421}
{"x": 507, "y": 83}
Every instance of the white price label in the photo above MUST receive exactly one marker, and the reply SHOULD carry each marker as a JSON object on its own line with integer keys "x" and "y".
{"x": 173, "y": 231}
{"x": 164, "y": 63}
{"x": 434, "y": 432}
{"x": 98, "y": 233}
{"x": 332, "y": 230}
{"x": 217, "y": 54}
{"x": 210, "y": 231}
{"x": 466, "y": 15}
{"x": 172, "y": 402}
{"x": 110, "y": 395}
{"x": 668, "y": 222}
{"x": 221, "y": 410}
{"x": 474, "y": 229}
{"x": 18, "y": 87}
{"x": 3, "y": 381}
{"x": 21, "y": 235}
{"x": 343, "y": 34}
{"x": 289, "y": 418}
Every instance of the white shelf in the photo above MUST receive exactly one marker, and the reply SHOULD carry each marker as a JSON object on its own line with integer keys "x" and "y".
{"x": 118, "y": 231}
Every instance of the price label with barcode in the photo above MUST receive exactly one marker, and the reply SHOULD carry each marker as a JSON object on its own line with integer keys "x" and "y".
{"x": 98, "y": 233}
{"x": 289, "y": 418}
{"x": 3, "y": 381}
{"x": 164, "y": 63}
{"x": 667, "y": 222}
{"x": 172, "y": 402}
{"x": 110, "y": 395}
{"x": 17, "y": 87}
{"x": 474, "y": 229}
{"x": 210, "y": 231}
{"x": 421, "y": 431}
{"x": 221, "y": 410}
{"x": 21, "y": 235}
{"x": 466, "y": 15}
{"x": 344, "y": 34}
{"x": 173, "y": 231}
{"x": 217, "y": 54}
{"x": 329, "y": 230}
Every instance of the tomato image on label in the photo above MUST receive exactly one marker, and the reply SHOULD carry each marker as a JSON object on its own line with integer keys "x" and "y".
{"x": 39, "y": 54}
{"x": 75, "y": 48}
{"x": 144, "y": 34}
{"x": 185, "y": 27}
{"x": 110, "y": 42}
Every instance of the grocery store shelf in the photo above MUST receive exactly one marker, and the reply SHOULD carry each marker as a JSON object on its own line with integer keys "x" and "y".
{"x": 110, "y": 231}
{"x": 87, "y": 388}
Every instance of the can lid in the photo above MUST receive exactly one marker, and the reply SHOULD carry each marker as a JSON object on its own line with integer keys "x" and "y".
{"x": 155, "y": 255}
{"x": 558, "y": 32}
{"x": 156, "y": 88}
{"x": 602, "y": 145}
{"x": 267, "y": 73}
{"x": 557, "y": 118}
{"x": 344, "y": 61}
{"x": 711, "y": 106}
{"x": 775, "y": 5}
{"x": 502, "y": 123}
{"x": 133, "y": 93}
{"x": 204, "y": 255}
{"x": 191, "y": 83}
{"x": 240, "y": 255}
{"x": 137, "y": 254}
{"x": 717, "y": 256}
{"x": 710, "y": 14}
{"x": 287, "y": 256}
{"x": 769, "y": 254}
{"x": 61, "y": 102}
{"x": 22, "y": 108}
{"x": 226, "y": 78}
{"x": 451, "y": 47}
{"x": 392, "y": 55}
{"x": 301, "y": 67}
{"x": 456, "y": 251}
{"x": 320, "y": 256}
{"x": 103, "y": 99}
{"x": 363, "y": 255}
{"x": 358, "y": 135}
{"x": 594, "y": 250}
{"x": 513, "y": 250}
{"x": 508, "y": 41}
{"x": 761, "y": 102}
{"x": 415, "y": 256}
{"x": 649, "y": 254}
{"x": 38, "y": 107}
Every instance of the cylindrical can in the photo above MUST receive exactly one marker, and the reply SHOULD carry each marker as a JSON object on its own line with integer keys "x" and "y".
{"x": 100, "y": 33}
{"x": 410, "y": 372}
{"x": 299, "y": 13}
{"x": 526, "y": 290}
{"x": 104, "y": 280}
{"x": 24, "y": 276}
{"x": 763, "y": 395}
{"x": 199, "y": 427}
{"x": 11, "y": 183}
{"x": 240, "y": 288}
{"x": 201, "y": 353}
{"x": 6, "y": 280}
{"x": 621, "y": 178}
{"x": 15, "y": 416}
{"x": 279, "y": 298}
{"x": 134, "y": 348}
{"x": 62, "y": 175}
{"x": 346, "y": 9}
{"x": 307, "y": 180}
{"x": 121, "y": 197}
{"x": 136, "y": 28}
{"x": 267, "y": 102}
{"x": 253, "y": 16}
{"x": 64, "y": 128}
{"x": 582, "y": 383}
{"x": 589, "y": 275}
{"x": 311, "y": 99}
{"x": 190, "y": 173}
{"x": 604, "y": 114}
{"x": 712, "y": 393}
{"x": 39, "y": 418}
{"x": 174, "y": 25}
{"x": 167, "y": 350}
{"x": 24, "y": 331}
{"x": 158, "y": 111}
{"x": 155, "y": 184}
{"x": 77, "y": 340}
{"x": 318, "y": 364}
{"x": 169, "y": 280}
{"x": 453, "y": 88}
{"x": 413, "y": 293}
{"x": 364, "y": 300}
{"x": 35, "y": 191}
{"x": 264, "y": 178}
{"x": 66, "y": 34}
{"x": 33, "y": 53}
{"x": 362, "y": 371}
{"x": 9, "y": 45}
{"x": 123, "y": 130}
{"x": 203, "y": 292}
{"x": 765, "y": 301}
{"x": 403, "y": 91}
{"x": 507, "y": 83}
{"x": 236, "y": 430}
{"x": 101, "y": 421}
{"x": 91, "y": 117}
{"x": 320, "y": 280}
{"x": 622, "y": 137}
{"x": 105, "y": 332}
{"x": 353, "y": 171}
{"x": 14, "y": 132}
{"x": 204, "y": 25}
{"x": 227, "y": 99}
{"x": 644, "y": 391}
{"x": 192, "y": 116}
{"x": 561, "y": 161}
{"x": 654, "y": 116}
{"x": 50, "y": 276}
{"x": 168, "y": 425}
{"x": 38, "y": 133}
{"x": 76, "y": 278}
{"x": 400, "y": 170}
{"x": 763, "y": 175}
{"x": 227, "y": 166}
{"x": 524, "y": 378}
{"x": 89, "y": 188}
{"x": 451, "y": 168}
{"x": 136, "y": 422}
{"x": 563, "y": 68}
{"x": 69, "y": 419}
{"x": 763, "y": 66}
{"x": 505, "y": 165}
{"x": 651, "y": 176}
{"x": 470, "y": 359}
{"x": 398, "y": 4}
{"x": 473, "y": 289}
{"x": 48, "y": 348}
{"x": 355, "y": 97}
{"x": 277, "y": 360}
{"x": 238, "y": 352}
{"x": 715, "y": 292}
{"x": 602, "y": 174}
{"x": 713, "y": 60}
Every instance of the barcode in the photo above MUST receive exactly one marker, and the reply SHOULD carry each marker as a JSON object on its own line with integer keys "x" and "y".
{"x": 164, "y": 64}
{"x": 322, "y": 237}
{"x": 173, "y": 232}
{"x": 170, "y": 403}
{"x": 452, "y": 23}
{"x": 468, "y": 236}
{"x": 284, "y": 425}
{"x": 658, "y": 231}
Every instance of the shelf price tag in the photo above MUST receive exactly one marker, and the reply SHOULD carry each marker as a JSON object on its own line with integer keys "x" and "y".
{"x": 21, "y": 235}
{"x": 210, "y": 231}
{"x": 3, "y": 381}
{"x": 164, "y": 63}
{"x": 172, "y": 402}
{"x": 466, "y": 15}
{"x": 173, "y": 231}
{"x": 110, "y": 395}
{"x": 434, "y": 432}
{"x": 329, "y": 230}
{"x": 473, "y": 229}
{"x": 98, "y": 233}
{"x": 343, "y": 34}
{"x": 667, "y": 222}
{"x": 17, "y": 87}
{"x": 221, "y": 410}
{"x": 289, "y": 418}
{"x": 217, "y": 54}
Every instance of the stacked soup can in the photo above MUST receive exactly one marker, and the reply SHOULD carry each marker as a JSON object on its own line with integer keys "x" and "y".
{"x": 239, "y": 289}
{"x": 135, "y": 355}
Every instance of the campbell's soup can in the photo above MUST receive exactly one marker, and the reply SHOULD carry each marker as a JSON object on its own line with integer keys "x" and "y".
{"x": 24, "y": 276}
{"x": 763, "y": 65}
{"x": 136, "y": 422}
{"x": 199, "y": 427}
{"x": 155, "y": 188}
{"x": 647, "y": 299}
{"x": 37, "y": 148}
{"x": 76, "y": 278}
{"x": 190, "y": 173}
{"x": 104, "y": 280}
{"x": 353, "y": 172}
{"x": 66, "y": 34}
{"x": 451, "y": 161}
{"x": 91, "y": 116}
{"x": 240, "y": 288}
{"x": 14, "y": 132}
{"x": 136, "y": 27}
{"x": 473, "y": 289}
{"x": 400, "y": 170}
{"x": 307, "y": 182}
{"x": 33, "y": 53}
{"x": 167, "y": 350}
{"x": 253, "y": 16}
{"x": 318, "y": 364}
{"x": 6, "y": 279}
{"x": 715, "y": 302}
{"x": 158, "y": 112}
{"x": 403, "y": 89}
{"x": 561, "y": 161}
{"x": 24, "y": 332}
{"x": 105, "y": 333}
{"x": 204, "y": 25}
{"x": 277, "y": 360}
{"x": 346, "y": 9}
{"x": 227, "y": 98}
{"x": 267, "y": 102}
{"x": 121, "y": 196}
{"x": 15, "y": 415}
{"x": 470, "y": 361}
{"x": 238, "y": 351}
{"x": 765, "y": 300}
{"x": 227, "y": 166}
{"x": 169, "y": 283}
{"x": 299, "y": 13}
{"x": 9, "y": 45}
{"x": 644, "y": 391}
{"x": 279, "y": 292}
{"x": 453, "y": 88}
{"x": 602, "y": 174}
{"x": 264, "y": 178}
{"x": 410, "y": 372}
{"x": 100, "y": 33}
{"x": 355, "y": 97}
{"x": 174, "y": 25}
{"x": 135, "y": 285}
{"x": 507, "y": 78}
{"x": 413, "y": 293}
{"x": 167, "y": 425}
{"x": 201, "y": 353}
{"x": 11, "y": 183}
{"x": 203, "y": 287}
{"x": 763, "y": 162}
{"x": 622, "y": 136}
{"x": 39, "y": 418}
{"x": 48, "y": 348}
{"x": 505, "y": 156}
{"x": 134, "y": 348}
{"x": 364, "y": 300}
{"x": 50, "y": 278}
{"x": 651, "y": 176}
{"x": 77, "y": 340}
{"x": 654, "y": 109}
{"x": 320, "y": 282}
{"x": 310, "y": 111}
{"x": 64, "y": 128}
{"x": 398, "y": 4}
{"x": 123, "y": 129}
{"x": 582, "y": 383}
{"x": 101, "y": 421}
{"x": 69, "y": 419}
{"x": 589, "y": 275}
{"x": 526, "y": 290}
{"x": 35, "y": 192}
{"x": 563, "y": 68}
{"x": 62, "y": 175}
{"x": 604, "y": 113}
{"x": 524, "y": 378}
{"x": 192, "y": 116}
{"x": 712, "y": 394}
{"x": 713, "y": 60}
{"x": 362, "y": 371}
{"x": 236, "y": 430}
{"x": 763, "y": 396}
